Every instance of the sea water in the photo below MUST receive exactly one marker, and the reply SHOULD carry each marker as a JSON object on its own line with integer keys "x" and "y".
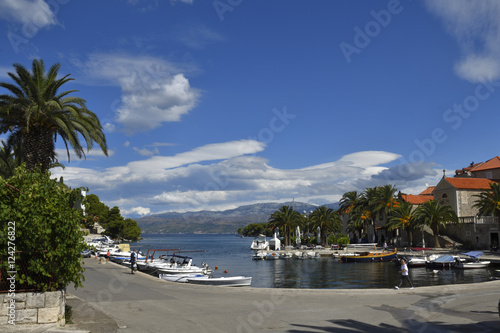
{"x": 232, "y": 254}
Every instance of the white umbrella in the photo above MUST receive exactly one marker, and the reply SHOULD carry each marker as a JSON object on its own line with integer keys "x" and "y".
{"x": 318, "y": 237}
{"x": 297, "y": 235}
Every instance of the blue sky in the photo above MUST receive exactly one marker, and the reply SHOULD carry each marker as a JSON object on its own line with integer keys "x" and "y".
{"x": 216, "y": 104}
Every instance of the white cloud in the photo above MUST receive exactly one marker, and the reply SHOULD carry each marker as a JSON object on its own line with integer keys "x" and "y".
{"x": 153, "y": 90}
{"x": 197, "y": 35}
{"x": 146, "y": 152}
{"x": 476, "y": 26}
{"x": 224, "y": 175}
{"x": 95, "y": 152}
{"x": 4, "y": 71}
{"x": 33, "y": 14}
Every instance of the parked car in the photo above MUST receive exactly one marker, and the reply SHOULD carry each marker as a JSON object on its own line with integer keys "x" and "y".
{"x": 86, "y": 253}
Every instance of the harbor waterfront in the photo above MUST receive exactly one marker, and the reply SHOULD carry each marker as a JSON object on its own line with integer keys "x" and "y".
{"x": 113, "y": 300}
{"x": 233, "y": 254}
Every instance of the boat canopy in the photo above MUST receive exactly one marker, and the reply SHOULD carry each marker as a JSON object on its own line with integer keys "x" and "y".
{"x": 444, "y": 259}
{"x": 473, "y": 254}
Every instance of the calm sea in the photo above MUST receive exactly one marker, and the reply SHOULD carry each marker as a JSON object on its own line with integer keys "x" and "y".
{"x": 232, "y": 253}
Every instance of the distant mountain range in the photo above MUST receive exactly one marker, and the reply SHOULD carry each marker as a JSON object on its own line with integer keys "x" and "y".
{"x": 217, "y": 222}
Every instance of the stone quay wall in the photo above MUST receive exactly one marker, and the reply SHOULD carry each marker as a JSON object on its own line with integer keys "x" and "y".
{"x": 32, "y": 308}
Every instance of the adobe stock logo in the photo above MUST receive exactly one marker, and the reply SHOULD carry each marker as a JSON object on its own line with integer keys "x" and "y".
{"x": 373, "y": 28}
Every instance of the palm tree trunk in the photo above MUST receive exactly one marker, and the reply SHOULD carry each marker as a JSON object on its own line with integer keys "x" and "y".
{"x": 436, "y": 238}
{"x": 38, "y": 148}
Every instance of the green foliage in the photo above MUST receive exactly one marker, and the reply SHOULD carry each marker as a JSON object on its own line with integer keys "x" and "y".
{"x": 339, "y": 239}
{"x": 255, "y": 229}
{"x": 46, "y": 231}
{"x": 131, "y": 230}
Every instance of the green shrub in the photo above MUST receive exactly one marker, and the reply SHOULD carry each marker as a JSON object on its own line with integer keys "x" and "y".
{"x": 47, "y": 238}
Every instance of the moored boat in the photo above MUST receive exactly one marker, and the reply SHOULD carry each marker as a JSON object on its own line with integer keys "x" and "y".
{"x": 472, "y": 261}
{"x": 226, "y": 281}
{"x": 181, "y": 277}
{"x": 369, "y": 257}
{"x": 259, "y": 243}
{"x": 443, "y": 262}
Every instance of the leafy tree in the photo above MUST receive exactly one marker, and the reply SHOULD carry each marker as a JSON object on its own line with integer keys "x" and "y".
{"x": 95, "y": 211}
{"x": 114, "y": 225}
{"x": 131, "y": 230}
{"x": 46, "y": 233}
{"x": 488, "y": 201}
{"x": 435, "y": 215}
{"x": 328, "y": 220}
{"x": 36, "y": 112}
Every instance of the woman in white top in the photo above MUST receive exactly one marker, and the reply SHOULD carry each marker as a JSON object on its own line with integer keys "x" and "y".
{"x": 404, "y": 274}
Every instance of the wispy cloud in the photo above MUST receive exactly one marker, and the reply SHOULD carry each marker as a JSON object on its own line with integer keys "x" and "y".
{"x": 196, "y": 36}
{"x": 154, "y": 90}
{"x": 33, "y": 13}
{"x": 476, "y": 26}
{"x": 225, "y": 175}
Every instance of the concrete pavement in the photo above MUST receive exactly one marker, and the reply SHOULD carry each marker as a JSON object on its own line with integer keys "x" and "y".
{"x": 114, "y": 300}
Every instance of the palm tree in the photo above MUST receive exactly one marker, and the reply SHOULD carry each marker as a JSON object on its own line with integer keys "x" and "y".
{"x": 350, "y": 204}
{"x": 286, "y": 219}
{"x": 488, "y": 202}
{"x": 328, "y": 220}
{"x": 36, "y": 112}
{"x": 403, "y": 217}
{"x": 435, "y": 215}
{"x": 386, "y": 200}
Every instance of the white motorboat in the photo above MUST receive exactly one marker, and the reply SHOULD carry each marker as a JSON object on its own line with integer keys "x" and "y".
{"x": 178, "y": 267}
{"x": 259, "y": 255}
{"x": 181, "y": 277}
{"x": 472, "y": 261}
{"x": 226, "y": 281}
{"x": 259, "y": 243}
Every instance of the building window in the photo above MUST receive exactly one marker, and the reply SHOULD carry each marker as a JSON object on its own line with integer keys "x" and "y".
{"x": 444, "y": 196}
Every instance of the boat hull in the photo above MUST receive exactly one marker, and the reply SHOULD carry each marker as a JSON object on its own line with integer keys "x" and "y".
{"x": 232, "y": 281}
{"x": 371, "y": 257}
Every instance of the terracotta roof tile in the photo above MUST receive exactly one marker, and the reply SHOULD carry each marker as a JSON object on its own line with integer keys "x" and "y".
{"x": 416, "y": 199}
{"x": 493, "y": 163}
{"x": 428, "y": 190}
{"x": 470, "y": 183}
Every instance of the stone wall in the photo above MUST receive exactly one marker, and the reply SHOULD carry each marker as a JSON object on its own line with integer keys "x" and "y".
{"x": 33, "y": 308}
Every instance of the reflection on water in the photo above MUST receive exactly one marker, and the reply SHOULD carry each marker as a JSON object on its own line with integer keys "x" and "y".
{"x": 234, "y": 255}
{"x": 328, "y": 273}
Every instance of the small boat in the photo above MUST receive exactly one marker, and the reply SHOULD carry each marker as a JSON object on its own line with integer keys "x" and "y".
{"x": 369, "y": 257}
{"x": 272, "y": 256}
{"x": 259, "y": 255}
{"x": 259, "y": 243}
{"x": 472, "y": 261}
{"x": 443, "y": 262}
{"x": 226, "y": 281}
{"x": 286, "y": 255}
{"x": 181, "y": 277}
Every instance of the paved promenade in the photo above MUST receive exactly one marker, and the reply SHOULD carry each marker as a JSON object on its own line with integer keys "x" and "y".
{"x": 141, "y": 303}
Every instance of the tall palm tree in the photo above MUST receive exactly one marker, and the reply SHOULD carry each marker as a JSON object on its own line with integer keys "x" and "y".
{"x": 36, "y": 112}
{"x": 386, "y": 200}
{"x": 286, "y": 219}
{"x": 435, "y": 215}
{"x": 403, "y": 217}
{"x": 488, "y": 201}
{"x": 350, "y": 204}
{"x": 328, "y": 220}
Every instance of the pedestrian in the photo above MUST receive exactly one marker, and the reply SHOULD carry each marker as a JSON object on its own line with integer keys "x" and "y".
{"x": 133, "y": 261}
{"x": 385, "y": 246}
{"x": 108, "y": 255}
{"x": 404, "y": 275}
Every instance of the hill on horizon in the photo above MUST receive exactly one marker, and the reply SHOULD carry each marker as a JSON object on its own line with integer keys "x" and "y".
{"x": 217, "y": 222}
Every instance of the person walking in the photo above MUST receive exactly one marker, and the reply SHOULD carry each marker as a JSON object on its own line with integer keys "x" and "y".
{"x": 385, "y": 246}
{"x": 404, "y": 275}
{"x": 133, "y": 261}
